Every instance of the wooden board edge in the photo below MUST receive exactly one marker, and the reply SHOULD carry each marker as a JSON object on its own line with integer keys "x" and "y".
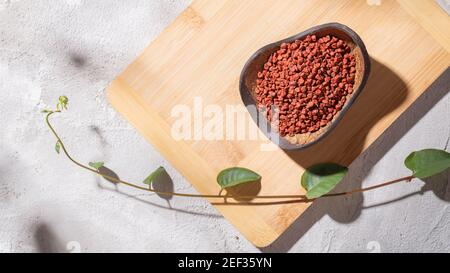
{"x": 115, "y": 97}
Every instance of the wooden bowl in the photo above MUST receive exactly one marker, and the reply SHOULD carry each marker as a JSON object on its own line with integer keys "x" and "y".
{"x": 256, "y": 62}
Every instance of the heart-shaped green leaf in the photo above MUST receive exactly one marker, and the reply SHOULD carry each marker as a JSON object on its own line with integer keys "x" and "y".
{"x": 428, "y": 162}
{"x": 235, "y": 176}
{"x": 322, "y": 178}
{"x": 149, "y": 180}
{"x": 96, "y": 165}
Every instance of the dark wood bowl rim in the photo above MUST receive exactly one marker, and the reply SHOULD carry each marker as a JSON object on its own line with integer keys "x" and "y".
{"x": 247, "y": 97}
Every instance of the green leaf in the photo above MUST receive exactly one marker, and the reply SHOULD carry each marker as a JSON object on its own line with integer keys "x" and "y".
{"x": 149, "y": 180}
{"x": 96, "y": 165}
{"x": 46, "y": 111}
{"x": 57, "y": 146}
{"x": 322, "y": 178}
{"x": 62, "y": 103}
{"x": 428, "y": 162}
{"x": 235, "y": 176}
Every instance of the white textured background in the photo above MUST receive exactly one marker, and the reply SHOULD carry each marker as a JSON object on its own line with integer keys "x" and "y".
{"x": 49, "y": 48}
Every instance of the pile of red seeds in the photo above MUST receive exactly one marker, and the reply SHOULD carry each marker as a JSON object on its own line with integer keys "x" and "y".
{"x": 308, "y": 81}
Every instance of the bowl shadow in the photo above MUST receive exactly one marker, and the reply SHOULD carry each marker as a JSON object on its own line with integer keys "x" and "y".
{"x": 347, "y": 209}
{"x": 384, "y": 92}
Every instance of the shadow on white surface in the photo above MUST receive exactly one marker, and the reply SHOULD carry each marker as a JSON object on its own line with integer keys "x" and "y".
{"x": 349, "y": 208}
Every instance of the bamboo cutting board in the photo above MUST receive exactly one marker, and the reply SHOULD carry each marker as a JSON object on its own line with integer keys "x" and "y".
{"x": 201, "y": 55}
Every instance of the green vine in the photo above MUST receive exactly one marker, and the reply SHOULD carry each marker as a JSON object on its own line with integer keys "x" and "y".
{"x": 318, "y": 180}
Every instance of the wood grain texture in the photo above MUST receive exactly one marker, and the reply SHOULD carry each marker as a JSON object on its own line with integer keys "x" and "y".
{"x": 432, "y": 17}
{"x": 201, "y": 54}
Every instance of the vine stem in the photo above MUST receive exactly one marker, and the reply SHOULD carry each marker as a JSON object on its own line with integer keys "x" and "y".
{"x": 299, "y": 198}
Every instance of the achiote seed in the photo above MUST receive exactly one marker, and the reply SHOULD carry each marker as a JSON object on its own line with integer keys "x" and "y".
{"x": 308, "y": 80}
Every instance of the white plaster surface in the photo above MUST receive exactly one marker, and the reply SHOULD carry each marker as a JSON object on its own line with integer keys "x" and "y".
{"x": 49, "y": 48}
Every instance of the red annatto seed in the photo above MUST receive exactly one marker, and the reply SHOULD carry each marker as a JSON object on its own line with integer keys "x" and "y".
{"x": 308, "y": 80}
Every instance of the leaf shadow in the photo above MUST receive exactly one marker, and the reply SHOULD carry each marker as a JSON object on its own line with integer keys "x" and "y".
{"x": 438, "y": 184}
{"x": 96, "y": 130}
{"x": 107, "y": 171}
{"x": 245, "y": 189}
{"x": 77, "y": 60}
{"x": 46, "y": 239}
{"x": 163, "y": 183}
